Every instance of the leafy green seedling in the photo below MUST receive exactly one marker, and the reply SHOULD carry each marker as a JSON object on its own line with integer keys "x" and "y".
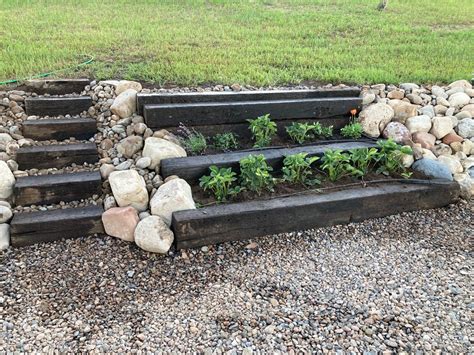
{"x": 226, "y": 141}
{"x": 255, "y": 174}
{"x": 297, "y": 169}
{"x": 263, "y": 129}
{"x": 220, "y": 182}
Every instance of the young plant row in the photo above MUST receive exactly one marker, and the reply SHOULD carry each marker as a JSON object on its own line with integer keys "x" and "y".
{"x": 299, "y": 169}
{"x": 263, "y": 130}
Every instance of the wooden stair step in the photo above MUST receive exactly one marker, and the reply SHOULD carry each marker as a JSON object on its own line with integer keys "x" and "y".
{"x": 219, "y": 113}
{"x": 230, "y": 96}
{"x": 45, "y": 226}
{"x": 56, "y": 155}
{"x": 59, "y": 129}
{"x": 55, "y": 106}
{"x": 55, "y": 86}
{"x": 54, "y": 188}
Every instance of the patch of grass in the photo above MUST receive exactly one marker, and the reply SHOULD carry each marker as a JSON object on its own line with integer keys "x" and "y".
{"x": 260, "y": 42}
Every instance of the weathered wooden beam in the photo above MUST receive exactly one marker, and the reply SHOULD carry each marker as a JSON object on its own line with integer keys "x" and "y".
{"x": 198, "y": 114}
{"x": 55, "y": 106}
{"x": 55, "y": 86}
{"x": 59, "y": 129}
{"x": 192, "y": 168}
{"x": 238, "y": 221}
{"x": 35, "y": 227}
{"x": 56, "y": 155}
{"x": 225, "y": 96}
{"x": 54, "y": 188}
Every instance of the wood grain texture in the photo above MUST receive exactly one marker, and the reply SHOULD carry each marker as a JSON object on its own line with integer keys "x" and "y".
{"x": 55, "y": 106}
{"x": 225, "y": 96}
{"x": 56, "y": 155}
{"x": 48, "y": 189}
{"x": 221, "y": 223}
{"x": 192, "y": 168}
{"x": 59, "y": 129}
{"x": 199, "y": 114}
{"x": 36, "y": 227}
{"x": 55, "y": 86}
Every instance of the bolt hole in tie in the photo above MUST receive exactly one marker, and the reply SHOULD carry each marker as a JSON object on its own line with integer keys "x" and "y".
{"x": 44, "y": 75}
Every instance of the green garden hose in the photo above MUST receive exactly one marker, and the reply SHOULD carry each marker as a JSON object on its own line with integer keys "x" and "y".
{"x": 44, "y": 75}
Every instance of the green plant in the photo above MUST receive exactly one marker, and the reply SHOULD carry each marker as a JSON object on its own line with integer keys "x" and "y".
{"x": 219, "y": 182}
{"x": 255, "y": 173}
{"x": 352, "y": 130}
{"x": 389, "y": 158}
{"x": 361, "y": 160}
{"x": 301, "y": 132}
{"x": 336, "y": 164}
{"x": 327, "y": 131}
{"x": 226, "y": 141}
{"x": 193, "y": 141}
{"x": 297, "y": 169}
{"x": 262, "y": 129}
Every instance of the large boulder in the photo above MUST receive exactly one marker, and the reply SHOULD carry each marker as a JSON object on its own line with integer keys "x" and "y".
{"x": 466, "y": 128}
{"x": 418, "y": 124}
{"x": 130, "y": 145}
{"x": 427, "y": 140}
{"x": 174, "y": 195}
{"x": 453, "y": 164}
{"x": 466, "y": 183}
{"x": 432, "y": 168}
{"x": 129, "y": 189}
{"x": 402, "y": 110}
{"x": 441, "y": 126}
{"x": 459, "y": 99}
{"x": 158, "y": 149}
{"x": 4, "y": 236}
{"x": 153, "y": 234}
{"x": 5, "y": 214}
{"x": 120, "y": 222}
{"x": 396, "y": 131}
{"x": 374, "y": 118}
{"x": 7, "y": 180}
{"x": 124, "y": 85}
{"x": 125, "y": 104}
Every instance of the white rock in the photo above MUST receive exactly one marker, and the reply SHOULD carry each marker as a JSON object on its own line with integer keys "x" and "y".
{"x": 4, "y": 236}
{"x": 124, "y": 85}
{"x": 442, "y": 101}
{"x": 461, "y": 84}
{"x": 453, "y": 164}
{"x": 466, "y": 183}
{"x": 467, "y": 111}
{"x": 5, "y": 214}
{"x": 143, "y": 162}
{"x": 158, "y": 149}
{"x": 439, "y": 92}
{"x": 153, "y": 235}
{"x": 125, "y": 104}
{"x": 106, "y": 170}
{"x": 418, "y": 124}
{"x": 459, "y": 99}
{"x": 407, "y": 160}
{"x": 428, "y": 154}
{"x": 375, "y": 117}
{"x": 7, "y": 180}
{"x": 129, "y": 189}
{"x": 174, "y": 195}
{"x": 442, "y": 149}
{"x": 130, "y": 145}
{"x": 465, "y": 128}
{"x": 5, "y": 138}
{"x": 467, "y": 147}
{"x": 441, "y": 126}
{"x": 368, "y": 97}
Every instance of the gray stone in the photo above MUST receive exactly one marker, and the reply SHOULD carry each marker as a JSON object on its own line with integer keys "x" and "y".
{"x": 427, "y": 110}
{"x": 130, "y": 145}
{"x": 7, "y": 180}
{"x": 125, "y": 104}
{"x": 5, "y": 214}
{"x": 439, "y": 92}
{"x": 153, "y": 235}
{"x": 124, "y": 85}
{"x": 143, "y": 162}
{"x": 129, "y": 189}
{"x": 418, "y": 124}
{"x": 396, "y": 131}
{"x": 158, "y": 149}
{"x": 432, "y": 168}
{"x": 459, "y": 99}
{"x": 375, "y": 117}
{"x": 465, "y": 128}
{"x": 4, "y": 236}
{"x": 408, "y": 87}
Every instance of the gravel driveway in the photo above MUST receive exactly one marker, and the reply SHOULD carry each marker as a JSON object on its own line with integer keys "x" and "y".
{"x": 401, "y": 282}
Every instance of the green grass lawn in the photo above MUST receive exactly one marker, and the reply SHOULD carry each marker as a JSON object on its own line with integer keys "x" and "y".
{"x": 248, "y": 42}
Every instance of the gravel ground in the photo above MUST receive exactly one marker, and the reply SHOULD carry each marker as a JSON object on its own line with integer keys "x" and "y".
{"x": 398, "y": 283}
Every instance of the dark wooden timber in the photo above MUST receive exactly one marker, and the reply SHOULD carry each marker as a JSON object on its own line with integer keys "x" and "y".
{"x": 199, "y": 114}
{"x": 54, "y": 188}
{"x": 55, "y": 86}
{"x": 59, "y": 129}
{"x": 221, "y": 223}
{"x": 192, "y": 168}
{"x": 56, "y": 156}
{"x": 225, "y": 96}
{"x": 34, "y": 227}
{"x": 55, "y": 106}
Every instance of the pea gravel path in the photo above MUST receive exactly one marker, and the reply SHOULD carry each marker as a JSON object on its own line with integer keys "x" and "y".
{"x": 397, "y": 283}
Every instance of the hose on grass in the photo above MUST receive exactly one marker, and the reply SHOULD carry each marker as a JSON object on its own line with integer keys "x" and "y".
{"x": 44, "y": 75}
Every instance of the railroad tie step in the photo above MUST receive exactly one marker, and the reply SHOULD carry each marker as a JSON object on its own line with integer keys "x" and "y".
{"x": 54, "y": 188}
{"x": 56, "y": 155}
{"x": 55, "y": 86}
{"x": 56, "y": 106}
{"x": 59, "y": 129}
{"x": 44, "y": 226}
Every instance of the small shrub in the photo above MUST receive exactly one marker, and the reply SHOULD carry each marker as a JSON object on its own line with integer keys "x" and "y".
{"x": 255, "y": 173}
{"x": 226, "y": 141}
{"x": 352, "y": 130}
{"x": 297, "y": 169}
{"x": 389, "y": 158}
{"x": 336, "y": 164}
{"x": 327, "y": 131}
{"x": 263, "y": 129}
{"x": 301, "y": 132}
{"x": 220, "y": 182}
{"x": 193, "y": 141}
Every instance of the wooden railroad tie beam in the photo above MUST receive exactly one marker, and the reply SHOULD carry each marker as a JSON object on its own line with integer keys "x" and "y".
{"x": 59, "y": 129}
{"x": 55, "y": 106}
